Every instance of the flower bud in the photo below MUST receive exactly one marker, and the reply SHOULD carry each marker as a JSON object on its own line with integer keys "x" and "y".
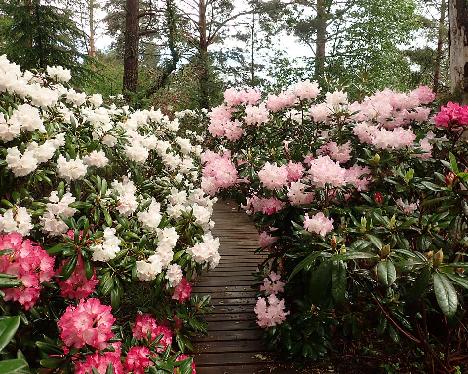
{"x": 342, "y": 249}
{"x": 429, "y": 255}
{"x": 450, "y": 178}
{"x": 378, "y": 198}
{"x": 438, "y": 257}
{"x": 375, "y": 160}
{"x": 333, "y": 242}
{"x": 385, "y": 251}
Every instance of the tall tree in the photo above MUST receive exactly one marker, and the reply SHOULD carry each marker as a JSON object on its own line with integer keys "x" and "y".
{"x": 440, "y": 45}
{"x": 131, "y": 55}
{"x": 458, "y": 19}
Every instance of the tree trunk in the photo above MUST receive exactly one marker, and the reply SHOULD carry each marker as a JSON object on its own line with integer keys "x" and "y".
{"x": 458, "y": 20}
{"x": 320, "y": 45}
{"x": 92, "y": 42}
{"x": 130, "y": 79}
{"x": 203, "y": 57}
{"x": 440, "y": 46}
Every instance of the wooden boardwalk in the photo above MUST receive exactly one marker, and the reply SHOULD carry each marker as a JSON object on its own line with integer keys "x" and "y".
{"x": 233, "y": 344}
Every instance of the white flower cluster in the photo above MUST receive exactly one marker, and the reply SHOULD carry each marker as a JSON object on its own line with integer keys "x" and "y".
{"x": 59, "y": 73}
{"x": 57, "y": 208}
{"x": 108, "y": 248}
{"x": 72, "y": 169}
{"x": 127, "y": 201}
{"x": 16, "y": 219}
{"x": 151, "y": 217}
{"x": 206, "y": 251}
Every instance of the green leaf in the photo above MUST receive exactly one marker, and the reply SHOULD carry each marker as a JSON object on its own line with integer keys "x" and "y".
{"x": 445, "y": 294}
{"x": 8, "y": 327}
{"x": 15, "y": 366}
{"x": 339, "y": 281}
{"x": 308, "y": 261}
{"x": 386, "y": 272}
{"x": 69, "y": 267}
{"x": 420, "y": 285}
{"x": 356, "y": 255}
{"x": 375, "y": 240}
{"x": 9, "y": 282}
{"x": 453, "y": 163}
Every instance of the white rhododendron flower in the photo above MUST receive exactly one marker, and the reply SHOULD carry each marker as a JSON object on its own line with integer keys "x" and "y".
{"x": 59, "y": 73}
{"x": 151, "y": 217}
{"x": 174, "y": 274}
{"x": 108, "y": 248}
{"x": 72, "y": 169}
{"x": 96, "y": 158}
{"x": 16, "y": 219}
{"x": 21, "y": 164}
{"x": 126, "y": 190}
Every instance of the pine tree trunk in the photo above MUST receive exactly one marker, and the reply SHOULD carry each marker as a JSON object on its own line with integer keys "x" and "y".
{"x": 320, "y": 45}
{"x": 130, "y": 79}
{"x": 458, "y": 20}
{"x": 252, "y": 52}
{"x": 92, "y": 42}
{"x": 440, "y": 46}
{"x": 203, "y": 79}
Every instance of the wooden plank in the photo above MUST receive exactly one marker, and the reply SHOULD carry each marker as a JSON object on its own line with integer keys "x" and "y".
{"x": 269, "y": 368}
{"x": 232, "y": 325}
{"x": 223, "y": 309}
{"x": 204, "y": 289}
{"x": 233, "y": 346}
{"x": 239, "y": 301}
{"x": 233, "y": 335}
{"x": 230, "y": 317}
{"x": 231, "y": 358}
{"x": 222, "y": 282}
{"x": 232, "y": 294}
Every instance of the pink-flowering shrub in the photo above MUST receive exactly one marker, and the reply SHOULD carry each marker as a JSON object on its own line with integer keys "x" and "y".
{"x": 78, "y": 286}
{"x": 100, "y": 361}
{"x": 272, "y": 284}
{"x": 270, "y": 311}
{"x": 452, "y": 116}
{"x": 182, "y": 291}
{"x": 273, "y": 176}
{"x": 137, "y": 360}
{"x": 183, "y": 357}
{"x": 318, "y": 224}
{"x": 218, "y": 172}
{"x": 30, "y": 263}
{"x": 146, "y": 327}
{"x": 89, "y": 323}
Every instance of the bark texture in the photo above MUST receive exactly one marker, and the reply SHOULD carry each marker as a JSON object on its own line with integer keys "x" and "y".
{"x": 130, "y": 80}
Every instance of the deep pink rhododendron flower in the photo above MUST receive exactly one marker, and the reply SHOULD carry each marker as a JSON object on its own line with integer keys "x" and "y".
{"x": 182, "y": 291}
{"x": 30, "y": 263}
{"x": 78, "y": 286}
{"x": 137, "y": 360}
{"x": 147, "y": 326}
{"x": 452, "y": 115}
{"x": 100, "y": 361}
{"x": 183, "y": 357}
{"x": 89, "y": 323}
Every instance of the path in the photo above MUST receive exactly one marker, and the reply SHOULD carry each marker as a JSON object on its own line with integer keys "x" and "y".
{"x": 233, "y": 344}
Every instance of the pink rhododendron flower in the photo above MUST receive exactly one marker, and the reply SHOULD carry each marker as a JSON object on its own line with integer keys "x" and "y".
{"x": 423, "y": 94}
{"x": 256, "y": 115}
{"x": 273, "y": 176}
{"x": 137, "y": 360}
{"x": 77, "y": 286}
{"x": 305, "y": 89}
{"x": 146, "y": 326}
{"x": 218, "y": 172}
{"x": 183, "y": 357}
{"x": 233, "y": 130}
{"x": 272, "y": 313}
{"x": 318, "y": 224}
{"x": 319, "y": 112}
{"x": 323, "y": 170}
{"x": 30, "y": 263}
{"x": 272, "y": 284}
{"x": 407, "y": 208}
{"x": 182, "y": 291}
{"x": 100, "y": 362}
{"x": 452, "y": 116}
{"x": 384, "y": 139}
{"x": 89, "y": 323}
{"x": 358, "y": 176}
{"x": 297, "y": 194}
{"x": 265, "y": 239}
{"x": 340, "y": 153}
{"x": 295, "y": 171}
{"x": 267, "y": 206}
{"x": 277, "y": 102}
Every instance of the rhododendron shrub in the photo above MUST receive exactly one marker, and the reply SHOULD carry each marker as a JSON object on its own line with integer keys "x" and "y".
{"x": 100, "y": 208}
{"x": 361, "y": 209}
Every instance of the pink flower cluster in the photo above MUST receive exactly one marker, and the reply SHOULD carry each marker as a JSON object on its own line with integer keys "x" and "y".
{"x": 147, "y": 327}
{"x": 318, "y": 224}
{"x": 273, "y": 177}
{"x": 384, "y": 139}
{"x": 182, "y": 291}
{"x": 297, "y": 194}
{"x": 89, "y": 323}
{"x": 323, "y": 170}
{"x": 233, "y": 97}
{"x": 272, "y": 284}
{"x": 182, "y": 358}
{"x": 270, "y": 311}
{"x": 30, "y": 263}
{"x": 340, "y": 153}
{"x": 219, "y": 172}
{"x": 267, "y": 206}
{"x": 295, "y": 171}
{"x": 256, "y": 115}
{"x": 265, "y": 239}
{"x": 137, "y": 360}
{"x": 452, "y": 116}
{"x": 78, "y": 286}
{"x": 100, "y": 361}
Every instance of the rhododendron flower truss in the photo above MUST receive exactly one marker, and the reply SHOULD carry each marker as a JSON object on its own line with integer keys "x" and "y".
{"x": 452, "y": 116}
{"x": 89, "y": 323}
{"x": 77, "y": 286}
{"x": 101, "y": 361}
{"x": 272, "y": 284}
{"x": 30, "y": 263}
{"x": 270, "y": 311}
{"x": 182, "y": 291}
{"x": 318, "y": 224}
{"x": 184, "y": 357}
{"x": 147, "y": 328}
